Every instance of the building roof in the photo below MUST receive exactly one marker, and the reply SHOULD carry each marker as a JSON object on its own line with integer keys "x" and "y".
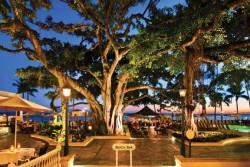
{"x": 146, "y": 111}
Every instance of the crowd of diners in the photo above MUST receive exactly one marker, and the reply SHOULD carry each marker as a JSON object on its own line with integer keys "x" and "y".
{"x": 145, "y": 127}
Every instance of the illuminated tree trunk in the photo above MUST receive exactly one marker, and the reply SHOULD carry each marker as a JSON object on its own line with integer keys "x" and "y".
{"x": 188, "y": 84}
{"x": 106, "y": 96}
{"x": 119, "y": 129}
{"x": 115, "y": 114}
{"x": 63, "y": 102}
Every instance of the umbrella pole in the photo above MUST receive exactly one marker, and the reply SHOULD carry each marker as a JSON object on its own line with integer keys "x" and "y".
{"x": 15, "y": 130}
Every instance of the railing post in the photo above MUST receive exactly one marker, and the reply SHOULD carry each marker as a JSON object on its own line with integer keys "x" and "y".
{"x": 59, "y": 147}
{"x": 51, "y": 159}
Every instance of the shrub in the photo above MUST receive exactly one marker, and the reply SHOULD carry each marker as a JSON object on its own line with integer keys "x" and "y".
{"x": 209, "y": 137}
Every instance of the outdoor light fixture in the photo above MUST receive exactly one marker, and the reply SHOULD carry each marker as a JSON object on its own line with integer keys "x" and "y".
{"x": 18, "y": 146}
{"x": 12, "y": 148}
{"x": 66, "y": 93}
{"x": 183, "y": 92}
{"x": 89, "y": 129}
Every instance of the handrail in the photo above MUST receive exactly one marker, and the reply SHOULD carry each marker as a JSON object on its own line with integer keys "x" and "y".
{"x": 51, "y": 159}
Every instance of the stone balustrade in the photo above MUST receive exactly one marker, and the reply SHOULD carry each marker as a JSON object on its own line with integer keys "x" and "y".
{"x": 51, "y": 159}
{"x": 208, "y": 162}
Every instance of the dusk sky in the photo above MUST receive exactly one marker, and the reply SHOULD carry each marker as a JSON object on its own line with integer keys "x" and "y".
{"x": 10, "y": 62}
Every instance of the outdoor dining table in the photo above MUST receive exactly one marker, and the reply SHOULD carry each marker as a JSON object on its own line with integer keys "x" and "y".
{"x": 8, "y": 157}
{"x": 23, "y": 153}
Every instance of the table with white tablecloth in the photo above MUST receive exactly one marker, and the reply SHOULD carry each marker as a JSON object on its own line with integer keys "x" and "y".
{"x": 8, "y": 157}
{"x": 23, "y": 153}
{"x": 26, "y": 152}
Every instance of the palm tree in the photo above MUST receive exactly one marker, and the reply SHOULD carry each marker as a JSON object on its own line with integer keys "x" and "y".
{"x": 53, "y": 95}
{"x": 212, "y": 91}
{"x": 24, "y": 88}
{"x": 246, "y": 77}
{"x": 235, "y": 91}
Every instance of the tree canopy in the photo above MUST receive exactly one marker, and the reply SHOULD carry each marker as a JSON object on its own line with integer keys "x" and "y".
{"x": 120, "y": 53}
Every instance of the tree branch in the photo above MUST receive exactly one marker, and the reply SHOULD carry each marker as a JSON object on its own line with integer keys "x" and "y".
{"x": 14, "y": 51}
{"x": 133, "y": 100}
{"x": 227, "y": 48}
{"x": 208, "y": 28}
{"x": 144, "y": 87}
{"x": 90, "y": 72}
{"x": 233, "y": 49}
{"x": 81, "y": 6}
{"x": 60, "y": 26}
{"x": 29, "y": 53}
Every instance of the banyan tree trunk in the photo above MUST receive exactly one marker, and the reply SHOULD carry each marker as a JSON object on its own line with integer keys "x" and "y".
{"x": 188, "y": 83}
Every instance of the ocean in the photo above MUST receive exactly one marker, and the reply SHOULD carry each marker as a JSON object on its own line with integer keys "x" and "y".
{"x": 38, "y": 118}
{"x": 221, "y": 117}
{"x": 47, "y": 118}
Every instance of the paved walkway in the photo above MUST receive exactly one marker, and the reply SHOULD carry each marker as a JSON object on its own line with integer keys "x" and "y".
{"x": 156, "y": 151}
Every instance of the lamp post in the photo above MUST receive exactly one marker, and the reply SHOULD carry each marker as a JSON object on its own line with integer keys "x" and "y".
{"x": 85, "y": 115}
{"x": 66, "y": 93}
{"x": 182, "y": 148}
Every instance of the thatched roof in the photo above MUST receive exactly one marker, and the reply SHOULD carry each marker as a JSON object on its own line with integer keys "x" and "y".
{"x": 146, "y": 111}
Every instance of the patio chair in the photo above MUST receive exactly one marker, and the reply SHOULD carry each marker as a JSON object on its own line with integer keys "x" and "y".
{"x": 42, "y": 151}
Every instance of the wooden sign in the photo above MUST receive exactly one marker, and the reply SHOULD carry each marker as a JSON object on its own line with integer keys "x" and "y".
{"x": 190, "y": 134}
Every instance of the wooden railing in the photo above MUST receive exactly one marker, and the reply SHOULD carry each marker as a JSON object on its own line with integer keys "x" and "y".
{"x": 50, "y": 159}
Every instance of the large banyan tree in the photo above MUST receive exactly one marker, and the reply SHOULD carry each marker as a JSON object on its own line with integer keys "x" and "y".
{"x": 117, "y": 43}
{"x": 201, "y": 32}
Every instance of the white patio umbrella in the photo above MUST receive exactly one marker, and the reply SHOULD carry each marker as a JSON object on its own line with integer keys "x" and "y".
{"x": 4, "y": 95}
{"x": 17, "y": 103}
